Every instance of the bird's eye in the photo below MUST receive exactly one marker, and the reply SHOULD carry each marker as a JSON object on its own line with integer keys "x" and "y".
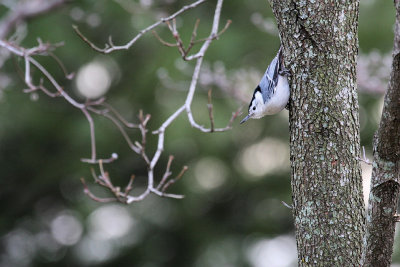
{"x": 254, "y": 108}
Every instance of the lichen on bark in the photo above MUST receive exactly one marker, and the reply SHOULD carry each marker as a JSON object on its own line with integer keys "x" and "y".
{"x": 320, "y": 49}
{"x": 385, "y": 180}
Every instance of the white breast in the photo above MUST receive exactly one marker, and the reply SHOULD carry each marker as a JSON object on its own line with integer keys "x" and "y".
{"x": 279, "y": 100}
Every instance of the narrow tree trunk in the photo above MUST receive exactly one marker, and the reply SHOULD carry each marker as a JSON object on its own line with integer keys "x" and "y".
{"x": 320, "y": 49}
{"x": 385, "y": 182}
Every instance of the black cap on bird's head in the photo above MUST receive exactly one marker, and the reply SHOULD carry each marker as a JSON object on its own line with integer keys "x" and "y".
{"x": 258, "y": 89}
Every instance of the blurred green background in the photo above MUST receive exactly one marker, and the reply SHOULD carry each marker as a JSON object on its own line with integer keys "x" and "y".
{"x": 232, "y": 214}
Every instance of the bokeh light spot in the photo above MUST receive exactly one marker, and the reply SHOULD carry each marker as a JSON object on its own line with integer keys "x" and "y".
{"x": 110, "y": 222}
{"x": 66, "y": 229}
{"x": 210, "y": 173}
{"x": 93, "y": 80}
{"x": 269, "y": 155}
{"x": 278, "y": 252}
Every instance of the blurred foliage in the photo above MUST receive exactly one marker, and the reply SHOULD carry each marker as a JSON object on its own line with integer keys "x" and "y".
{"x": 232, "y": 212}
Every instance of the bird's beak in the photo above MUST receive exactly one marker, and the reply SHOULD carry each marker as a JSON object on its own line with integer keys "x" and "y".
{"x": 245, "y": 119}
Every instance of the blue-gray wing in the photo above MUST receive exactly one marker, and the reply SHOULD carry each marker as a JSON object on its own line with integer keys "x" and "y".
{"x": 270, "y": 78}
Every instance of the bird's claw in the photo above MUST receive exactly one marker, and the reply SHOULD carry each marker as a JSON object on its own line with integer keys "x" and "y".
{"x": 284, "y": 72}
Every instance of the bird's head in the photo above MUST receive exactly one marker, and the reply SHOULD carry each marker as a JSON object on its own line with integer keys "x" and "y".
{"x": 256, "y": 107}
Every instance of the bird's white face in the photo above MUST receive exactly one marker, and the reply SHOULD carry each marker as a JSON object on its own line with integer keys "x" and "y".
{"x": 256, "y": 107}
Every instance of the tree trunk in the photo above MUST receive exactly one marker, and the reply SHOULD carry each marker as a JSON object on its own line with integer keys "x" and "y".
{"x": 385, "y": 182}
{"x": 320, "y": 49}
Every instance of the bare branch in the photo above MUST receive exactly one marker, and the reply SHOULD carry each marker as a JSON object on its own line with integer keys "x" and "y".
{"x": 210, "y": 111}
{"x": 129, "y": 187}
{"x": 55, "y": 84}
{"x": 69, "y": 76}
{"x": 128, "y": 140}
{"x": 162, "y": 194}
{"x": 111, "y": 47}
{"x": 179, "y": 176}
{"x": 101, "y": 108}
{"x": 385, "y": 180}
{"x": 92, "y": 196}
{"x": 179, "y": 43}
{"x": 167, "y": 173}
{"x": 286, "y": 205}
{"x": 165, "y": 183}
{"x": 112, "y": 158}
{"x": 25, "y": 11}
{"x": 92, "y": 136}
{"x": 228, "y": 23}
{"x": 119, "y": 117}
{"x": 12, "y": 48}
{"x": 86, "y": 40}
{"x": 162, "y": 41}
{"x": 364, "y": 158}
{"x": 96, "y": 178}
{"x": 199, "y": 56}
{"x": 193, "y": 38}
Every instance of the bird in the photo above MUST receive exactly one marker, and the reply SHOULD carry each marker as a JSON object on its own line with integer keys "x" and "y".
{"x": 272, "y": 93}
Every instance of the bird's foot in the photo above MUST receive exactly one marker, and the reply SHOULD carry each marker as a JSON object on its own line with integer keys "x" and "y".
{"x": 284, "y": 72}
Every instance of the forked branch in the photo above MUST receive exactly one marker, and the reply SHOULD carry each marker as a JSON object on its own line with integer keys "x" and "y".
{"x": 110, "y": 47}
{"x": 100, "y": 108}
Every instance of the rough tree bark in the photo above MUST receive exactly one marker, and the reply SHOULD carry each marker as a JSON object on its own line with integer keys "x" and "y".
{"x": 385, "y": 182}
{"x": 320, "y": 48}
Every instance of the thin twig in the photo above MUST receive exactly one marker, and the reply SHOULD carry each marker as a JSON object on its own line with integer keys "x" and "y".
{"x": 112, "y": 158}
{"x": 216, "y": 36}
{"x": 162, "y": 41}
{"x": 179, "y": 43}
{"x": 101, "y": 108}
{"x": 68, "y": 75}
{"x": 96, "y": 178}
{"x": 26, "y": 11}
{"x": 167, "y": 173}
{"x": 210, "y": 111}
{"x": 92, "y": 196}
{"x": 129, "y": 187}
{"x": 364, "y": 158}
{"x": 111, "y": 47}
{"x": 193, "y": 38}
{"x": 287, "y": 205}
{"x": 162, "y": 194}
{"x": 172, "y": 181}
{"x": 92, "y": 136}
{"x": 55, "y": 84}
{"x": 115, "y": 112}
{"x": 120, "y": 128}
{"x": 86, "y": 40}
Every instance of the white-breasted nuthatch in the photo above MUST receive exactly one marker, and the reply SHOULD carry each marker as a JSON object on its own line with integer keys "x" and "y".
{"x": 272, "y": 94}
